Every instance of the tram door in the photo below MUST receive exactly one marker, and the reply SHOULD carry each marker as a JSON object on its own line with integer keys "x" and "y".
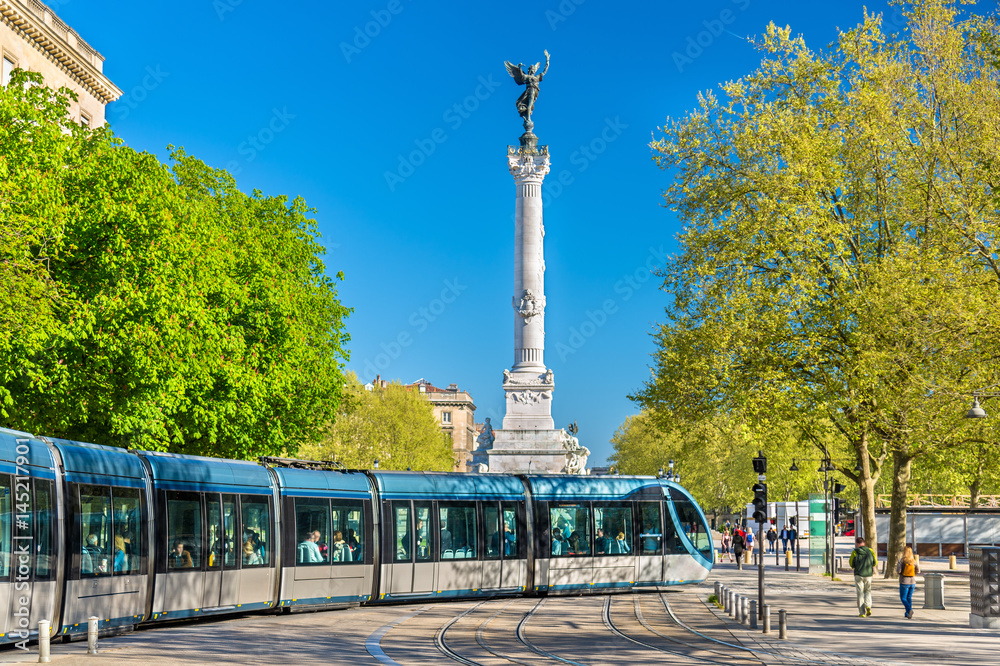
{"x": 222, "y": 583}
{"x": 501, "y": 566}
{"x": 412, "y": 568}
{"x": 650, "y": 565}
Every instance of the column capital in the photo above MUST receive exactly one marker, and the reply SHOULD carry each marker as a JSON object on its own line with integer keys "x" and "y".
{"x": 528, "y": 167}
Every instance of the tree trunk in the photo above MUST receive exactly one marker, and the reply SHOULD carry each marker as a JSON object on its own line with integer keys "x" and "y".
{"x": 901, "y": 470}
{"x": 866, "y": 492}
{"x": 974, "y": 490}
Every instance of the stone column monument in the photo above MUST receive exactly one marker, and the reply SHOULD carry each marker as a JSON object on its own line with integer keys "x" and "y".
{"x": 528, "y": 441}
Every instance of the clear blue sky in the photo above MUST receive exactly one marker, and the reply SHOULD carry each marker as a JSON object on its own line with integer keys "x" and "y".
{"x": 297, "y": 99}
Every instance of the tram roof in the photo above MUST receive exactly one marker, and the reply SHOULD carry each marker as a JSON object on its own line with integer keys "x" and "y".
{"x": 172, "y": 471}
{"x": 567, "y": 487}
{"x": 38, "y": 454}
{"x": 448, "y": 485}
{"x": 324, "y": 482}
{"x": 93, "y": 463}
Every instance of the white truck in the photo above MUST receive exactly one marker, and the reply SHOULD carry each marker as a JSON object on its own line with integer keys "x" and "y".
{"x": 780, "y": 514}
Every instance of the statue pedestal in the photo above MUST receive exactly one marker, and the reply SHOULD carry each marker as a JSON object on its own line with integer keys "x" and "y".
{"x": 536, "y": 452}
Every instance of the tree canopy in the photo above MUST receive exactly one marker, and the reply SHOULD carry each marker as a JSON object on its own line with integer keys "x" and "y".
{"x": 838, "y": 261}
{"x": 394, "y": 425}
{"x": 151, "y": 306}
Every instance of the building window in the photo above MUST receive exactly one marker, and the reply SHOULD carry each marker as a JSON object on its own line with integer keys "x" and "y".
{"x": 445, "y": 417}
{"x": 8, "y": 67}
{"x": 84, "y": 120}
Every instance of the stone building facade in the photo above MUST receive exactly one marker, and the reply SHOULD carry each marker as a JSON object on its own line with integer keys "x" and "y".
{"x": 456, "y": 412}
{"x": 33, "y": 38}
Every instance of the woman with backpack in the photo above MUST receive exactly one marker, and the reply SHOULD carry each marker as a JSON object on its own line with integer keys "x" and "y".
{"x": 907, "y": 568}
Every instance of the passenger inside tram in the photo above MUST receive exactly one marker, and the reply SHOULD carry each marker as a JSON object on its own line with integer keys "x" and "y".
{"x": 250, "y": 557}
{"x": 601, "y": 543}
{"x": 180, "y": 558}
{"x": 341, "y": 551}
{"x": 308, "y": 550}
{"x": 121, "y": 560}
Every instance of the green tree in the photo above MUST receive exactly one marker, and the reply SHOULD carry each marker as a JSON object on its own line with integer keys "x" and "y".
{"x": 394, "y": 425}
{"x": 838, "y": 257}
{"x": 170, "y": 310}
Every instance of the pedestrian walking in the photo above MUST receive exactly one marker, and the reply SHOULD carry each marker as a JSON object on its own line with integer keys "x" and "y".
{"x": 727, "y": 545}
{"x": 863, "y": 561}
{"x": 739, "y": 545}
{"x": 749, "y": 540}
{"x": 907, "y": 568}
{"x": 793, "y": 537}
{"x": 772, "y": 539}
{"x": 784, "y": 538}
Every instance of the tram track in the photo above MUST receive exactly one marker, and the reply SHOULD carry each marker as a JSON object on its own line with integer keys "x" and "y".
{"x": 447, "y": 645}
{"x": 716, "y": 656}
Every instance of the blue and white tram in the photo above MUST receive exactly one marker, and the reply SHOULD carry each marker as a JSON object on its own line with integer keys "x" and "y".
{"x": 603, "y": 533}
{"x": 136, "y": 537}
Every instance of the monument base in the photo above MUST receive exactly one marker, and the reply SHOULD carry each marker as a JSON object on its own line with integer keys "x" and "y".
{"x": 536, "y": 452}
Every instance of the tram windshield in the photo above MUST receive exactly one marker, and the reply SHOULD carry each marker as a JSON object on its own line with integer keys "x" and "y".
{"x": 691, "y": 522}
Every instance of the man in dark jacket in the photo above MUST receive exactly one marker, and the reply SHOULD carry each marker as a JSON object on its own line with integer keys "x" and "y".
{"x": 863, "y": 561}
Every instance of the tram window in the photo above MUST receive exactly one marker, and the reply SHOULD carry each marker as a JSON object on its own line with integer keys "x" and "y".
{"x": 183, "y": 531}
{"x": 570, "y": 529}
{"x": 256, "y": 512}
{"x": 459, "y": 521}
{"x": 349, "y": 524}
{"x": 691, "y": 523}
{"x": 613, "y": 529}
{"x": 422, "y": 513}
{"x": 93, "y": 523}
{"x": 230, "y": 518}
{"x": 126, "y": 548}
{"x": 401, "y": 531}
{"x": 312, "y": 525}
{"x": 44, "y": 515}
{"x": 491, "y": 526}
{"x": 511, "y": 527}
{"x": 213, "y": 509}
{"x": 651, "y": 528}
{"x": 5, "y": 516}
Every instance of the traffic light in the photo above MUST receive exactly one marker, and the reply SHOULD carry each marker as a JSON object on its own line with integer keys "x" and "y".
{"x": 836, "y": 510}
{"x": 759, "y": 503}
{"x": 760, "y": 463}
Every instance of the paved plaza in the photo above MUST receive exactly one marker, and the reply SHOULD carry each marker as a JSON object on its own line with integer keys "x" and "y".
{"x": 677, "y": 626}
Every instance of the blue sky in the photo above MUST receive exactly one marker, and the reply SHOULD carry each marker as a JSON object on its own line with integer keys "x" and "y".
{"x": 392, "y": 117}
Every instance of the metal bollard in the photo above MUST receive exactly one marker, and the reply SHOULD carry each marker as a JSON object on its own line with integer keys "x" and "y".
{"x": 934, "y": 591}
{"x": 767, "y": 619}
{"x": 782, "y": 624}
{"x": 788, "y": 559}
{"x": 743, "y": 610}
{"x": 952, "y": 562}
{"x": 92, "y": 635}
{"x": 753, "y": 613}
{"x": 734, "y": 606}
{"x": 729, "y": 602}
{"x": 43, "y": 641}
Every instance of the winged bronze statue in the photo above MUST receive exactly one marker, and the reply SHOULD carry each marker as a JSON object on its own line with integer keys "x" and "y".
{"x": 530, "y": 80}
